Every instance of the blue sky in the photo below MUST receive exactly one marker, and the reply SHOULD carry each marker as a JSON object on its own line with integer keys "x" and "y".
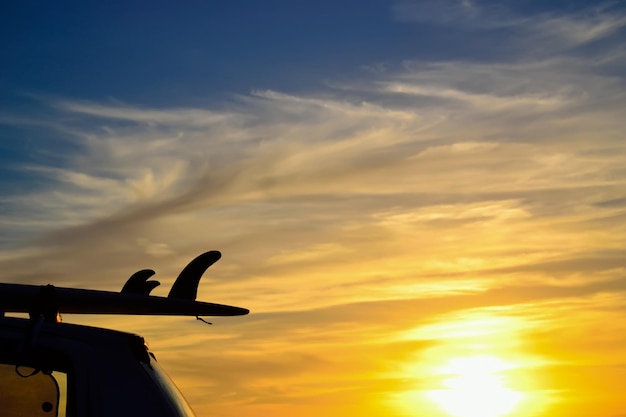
{"x": 167, "y": 53}
{"x": 171, "y": 52}
{"x": 378, "y": 175}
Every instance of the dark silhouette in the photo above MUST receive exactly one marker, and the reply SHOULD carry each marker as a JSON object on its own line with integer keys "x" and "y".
{"x": 48, "y": 301}
{"x": 138, "y": 283}
{"x": 186, "y": 285}
{"x": 107, "y": 373}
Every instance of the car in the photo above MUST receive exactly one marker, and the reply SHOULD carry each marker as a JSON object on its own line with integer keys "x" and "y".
{"x": 51, "y": 368}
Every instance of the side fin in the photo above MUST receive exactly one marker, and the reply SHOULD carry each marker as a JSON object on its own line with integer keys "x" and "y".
{"x": 138, "y": 283}
{"x": 186, "y": 285}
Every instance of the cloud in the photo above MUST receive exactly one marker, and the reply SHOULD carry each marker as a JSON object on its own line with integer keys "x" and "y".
{"x": 543, "y": 32}
{"x": 337, "y": 171}
{"x": 482, "y": 15}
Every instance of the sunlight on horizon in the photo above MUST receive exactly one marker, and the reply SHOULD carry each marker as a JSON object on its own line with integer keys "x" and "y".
{"x": 477, "y": 388}
{"x": 478, "y": 367}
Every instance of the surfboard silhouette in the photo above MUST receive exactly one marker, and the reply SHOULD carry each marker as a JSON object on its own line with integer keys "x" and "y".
{"x": 134, "y": 299}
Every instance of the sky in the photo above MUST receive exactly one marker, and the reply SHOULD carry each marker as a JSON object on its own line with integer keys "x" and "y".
{"x": 422, "y": 203}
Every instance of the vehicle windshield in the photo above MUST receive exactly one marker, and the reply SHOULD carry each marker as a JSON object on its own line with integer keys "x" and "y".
{"x": 173, "y": 395}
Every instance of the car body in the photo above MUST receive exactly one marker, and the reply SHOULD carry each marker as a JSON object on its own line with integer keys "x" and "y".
{"x": 49, "y": 368}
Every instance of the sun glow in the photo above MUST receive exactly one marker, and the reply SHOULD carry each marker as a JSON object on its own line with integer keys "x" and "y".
{"x": 476, "y": 388}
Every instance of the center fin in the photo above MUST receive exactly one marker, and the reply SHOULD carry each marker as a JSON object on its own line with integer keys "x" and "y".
{"x": 186, "y": 285}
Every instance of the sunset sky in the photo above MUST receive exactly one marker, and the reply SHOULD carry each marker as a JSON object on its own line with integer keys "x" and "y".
{"x": 422, "y": 203}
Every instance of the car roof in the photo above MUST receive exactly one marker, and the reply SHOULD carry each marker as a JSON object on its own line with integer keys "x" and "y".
{"x": 16, "y": 329}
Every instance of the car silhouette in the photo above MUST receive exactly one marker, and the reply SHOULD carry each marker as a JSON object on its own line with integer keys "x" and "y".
{"x": 50, "y": 368}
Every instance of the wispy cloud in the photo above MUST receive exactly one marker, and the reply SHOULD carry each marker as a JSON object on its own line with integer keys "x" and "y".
{"x": 337, "y": 172}
{"x": 543, "y": 32}
{"x": 479, "y": 15}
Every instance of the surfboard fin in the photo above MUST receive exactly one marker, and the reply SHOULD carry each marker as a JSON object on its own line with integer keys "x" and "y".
{"x": 186, "y": 285}
{"x": 138, "y": 283}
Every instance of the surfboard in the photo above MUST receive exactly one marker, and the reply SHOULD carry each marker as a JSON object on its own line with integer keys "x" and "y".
{"x": 21, "y": 298}
{"x": 134, "y": 299}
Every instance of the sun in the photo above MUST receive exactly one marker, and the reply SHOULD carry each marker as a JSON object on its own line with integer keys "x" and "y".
{"x": 476, "y": 388}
